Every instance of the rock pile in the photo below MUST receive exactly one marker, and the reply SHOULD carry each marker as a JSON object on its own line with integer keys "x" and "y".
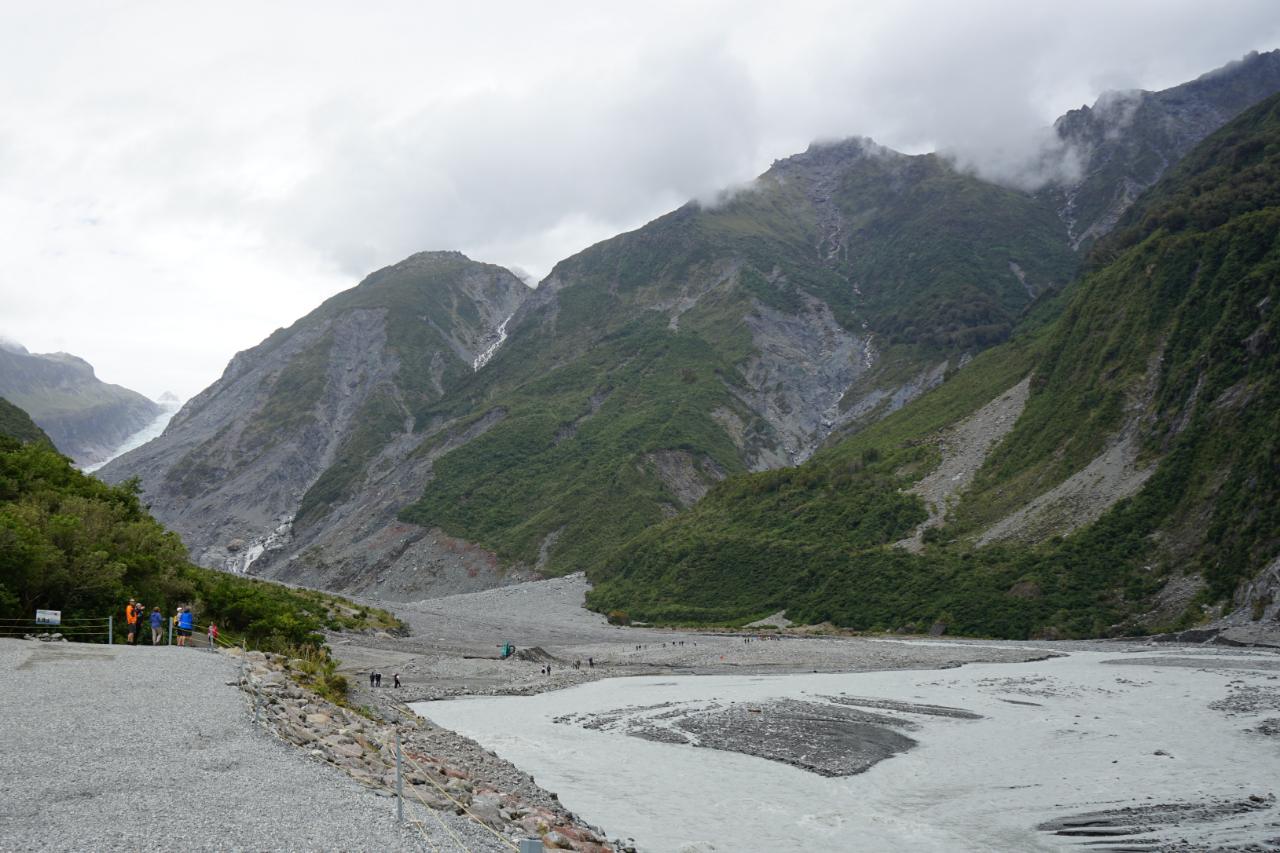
{"x": 46, "y": 637}
{"x": 364, "y": 749}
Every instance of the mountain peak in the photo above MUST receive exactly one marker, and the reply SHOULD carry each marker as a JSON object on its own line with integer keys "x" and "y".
{"x": 835, "y": 153}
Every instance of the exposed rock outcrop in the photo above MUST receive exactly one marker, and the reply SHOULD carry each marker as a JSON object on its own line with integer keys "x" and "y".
{"x": 320, "y": 422}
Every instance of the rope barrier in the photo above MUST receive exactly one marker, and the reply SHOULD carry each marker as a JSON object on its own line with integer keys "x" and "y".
{"x": 498, "y": 835}
{"x": 44, "y": 629}
{"x": 439, "y": 819}
{"x": 78, "y": 619}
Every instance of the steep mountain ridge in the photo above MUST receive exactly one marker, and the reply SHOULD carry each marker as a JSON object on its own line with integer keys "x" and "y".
{"x": 1126, "y": 140}
{"x": 1166, "y": 345}
{"x": 293, "y": 424}
{"x": 722, "y": 338}
{"x": 731, "y": 337}
{"x": 85, "y": 417}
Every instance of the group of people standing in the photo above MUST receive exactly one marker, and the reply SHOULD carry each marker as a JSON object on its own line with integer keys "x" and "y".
{"x": 375, "y": 678}
{"x": 184, "y": 621}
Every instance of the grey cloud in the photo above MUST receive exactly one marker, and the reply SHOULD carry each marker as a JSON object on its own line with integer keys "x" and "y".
{"x": 241, "y": 174}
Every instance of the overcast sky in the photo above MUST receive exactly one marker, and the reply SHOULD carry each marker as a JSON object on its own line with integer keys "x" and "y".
{"x": 177, "y": 179}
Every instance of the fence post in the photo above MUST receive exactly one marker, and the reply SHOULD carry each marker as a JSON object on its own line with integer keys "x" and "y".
{"x": 171, "y": 631}
{"x": 399, "y": 782}
{"x": 110, "y": 627}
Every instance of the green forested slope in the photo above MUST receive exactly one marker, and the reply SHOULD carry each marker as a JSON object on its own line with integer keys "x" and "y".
{"x": 70, "y": 542}
{"x": 598, "y": 376}
{"x": 1172, "y": 331}
{"x": 16, "y": 423}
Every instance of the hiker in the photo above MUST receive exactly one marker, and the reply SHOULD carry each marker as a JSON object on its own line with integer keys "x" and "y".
{"x": 157, "y": 619}
{"x": 396, "y": 676}
{"x": 131, "y": 619}
{"x": 213, "y": 635}
{"x": 370, "y": 679}
{"x": 186, "y": 621}
{"x": 377, "y": 679}
{"x": 591, "y": 662}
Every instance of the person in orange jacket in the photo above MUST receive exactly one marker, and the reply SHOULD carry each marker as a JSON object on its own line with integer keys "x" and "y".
{"x": 131, "y": 619}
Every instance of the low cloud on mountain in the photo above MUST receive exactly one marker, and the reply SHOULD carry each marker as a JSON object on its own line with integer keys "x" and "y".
{"x": 181, "y": 180}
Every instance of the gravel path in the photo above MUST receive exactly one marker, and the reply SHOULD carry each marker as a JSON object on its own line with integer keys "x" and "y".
{"x": 95, "y": 737}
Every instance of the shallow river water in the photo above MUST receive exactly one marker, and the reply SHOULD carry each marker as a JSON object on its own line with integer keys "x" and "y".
{"x": 1056, "y": 739}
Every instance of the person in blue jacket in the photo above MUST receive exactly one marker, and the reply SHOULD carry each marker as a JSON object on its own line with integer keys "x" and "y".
{"x": 186, "y": 621}
{"x": 157, "y": 620}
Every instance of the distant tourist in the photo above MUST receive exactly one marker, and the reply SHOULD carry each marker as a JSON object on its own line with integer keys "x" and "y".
{"x": 186, "y": 621}
{"x": 131, "y": 619}
{"x": 157, "y": 620}
{"x": 370, "y": 679}
{"x": 377, "y": 679}
{"x": 396, "y": 677}
{"x": 213, "y": 635}
{"x": 591, "y": 662}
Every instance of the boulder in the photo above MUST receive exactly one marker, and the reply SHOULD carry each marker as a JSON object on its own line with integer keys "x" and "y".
{"x": 485, "y": 807}
{"x": 556, "y": 841}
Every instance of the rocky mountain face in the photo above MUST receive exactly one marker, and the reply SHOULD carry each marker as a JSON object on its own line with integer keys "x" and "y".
{"x": 296, "y": 425}
{"x": 1114, "y": 471}
{"x": 85, "y": 417}
{"x": 1123, "y": 143}
{"x": 732, "y": 337}
{"x": 385, "y": 445}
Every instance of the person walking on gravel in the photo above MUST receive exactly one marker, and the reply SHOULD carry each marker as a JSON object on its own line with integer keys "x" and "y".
{"x": 213, "y": 635}
{"x": 186, "y": 621}
{"x": 157, "y": 619}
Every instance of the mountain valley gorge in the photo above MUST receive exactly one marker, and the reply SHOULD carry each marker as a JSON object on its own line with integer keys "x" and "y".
{"x": 871, "y": 389}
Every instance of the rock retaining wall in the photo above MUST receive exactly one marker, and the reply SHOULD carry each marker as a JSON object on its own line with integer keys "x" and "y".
{"x": 363, "y": 748}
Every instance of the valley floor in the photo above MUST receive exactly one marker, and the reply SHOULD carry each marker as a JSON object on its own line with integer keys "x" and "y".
{"x": 453, "y": 651}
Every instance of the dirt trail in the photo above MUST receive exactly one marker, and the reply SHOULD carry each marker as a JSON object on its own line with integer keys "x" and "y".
{"x": 964, "y": 447}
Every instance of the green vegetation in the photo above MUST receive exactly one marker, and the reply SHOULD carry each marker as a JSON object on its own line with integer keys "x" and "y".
{"x": 70, "y": 542}
{"x": 1173, "y": 329}
{"x": 929, "y": 248}
{"x": 423, "y": 303}
{"x": 316, "y": 669}
{"x": 559, "y": 461}
{"x": 16, "y": 423}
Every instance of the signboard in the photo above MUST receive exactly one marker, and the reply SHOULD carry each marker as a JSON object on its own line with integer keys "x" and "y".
{"x": 48, "y": 617}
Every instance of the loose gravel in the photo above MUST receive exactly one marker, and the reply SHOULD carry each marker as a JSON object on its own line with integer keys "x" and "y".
{"x": 115, "y": 748}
